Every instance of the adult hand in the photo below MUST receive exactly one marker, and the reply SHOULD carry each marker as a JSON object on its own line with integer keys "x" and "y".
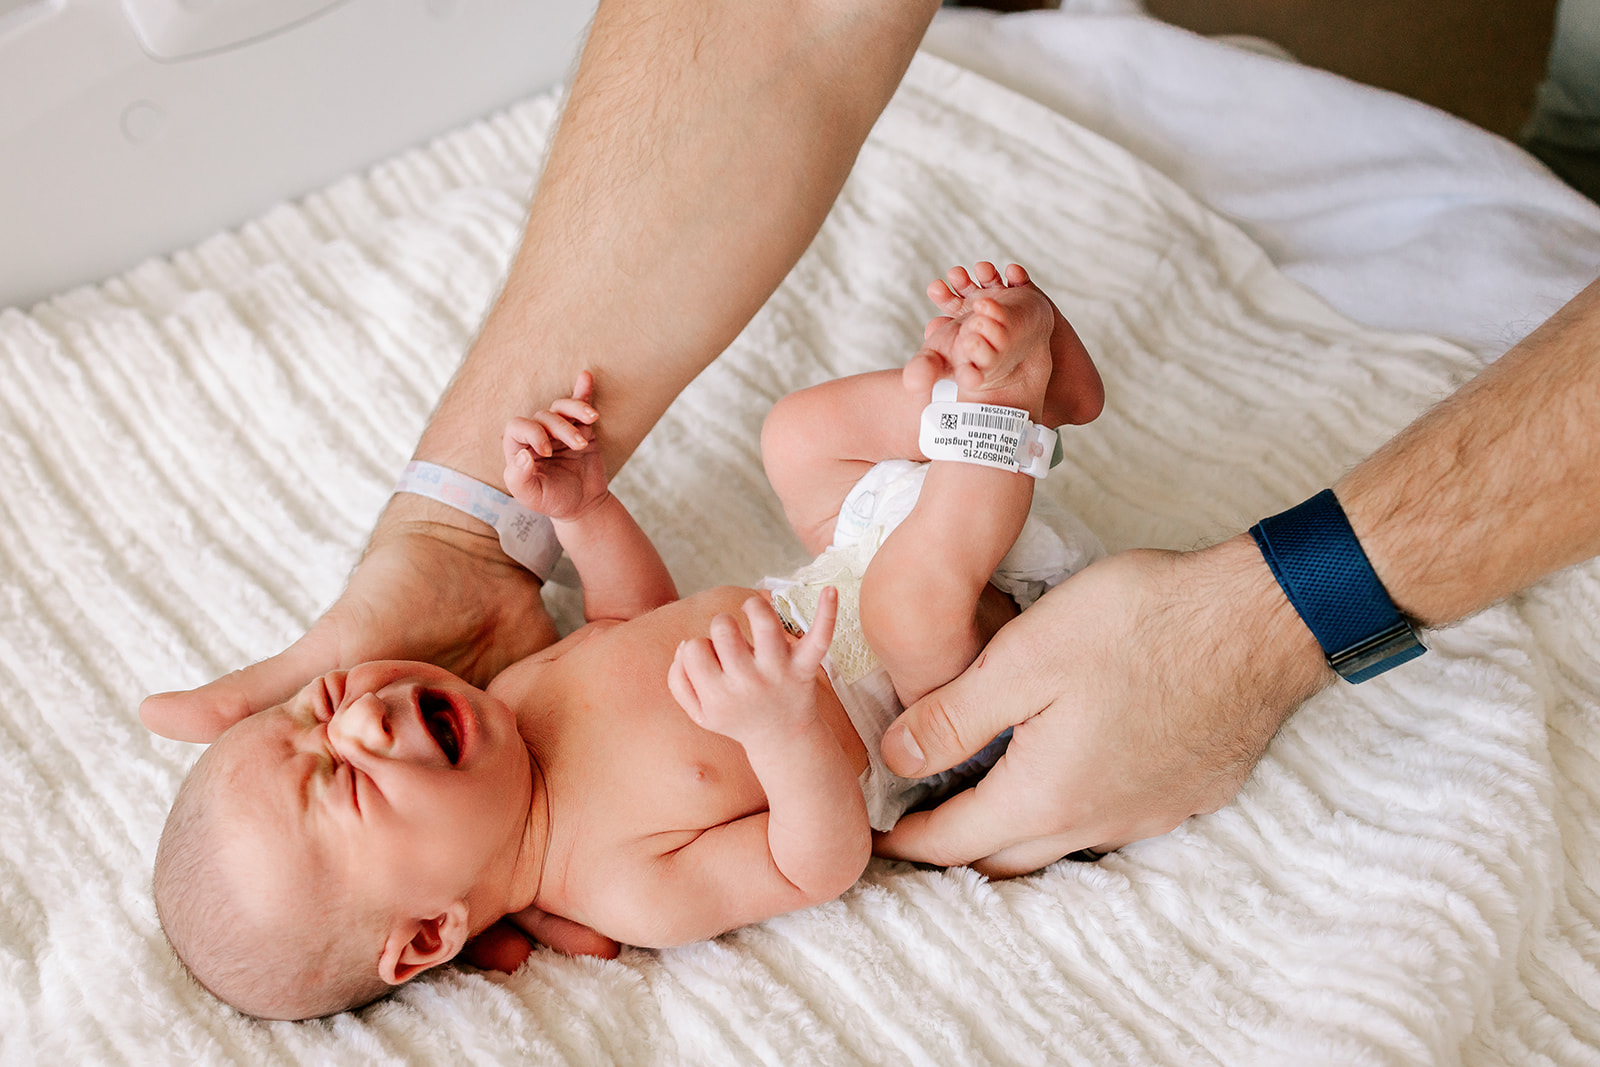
{"x": 1142, "y": 691}
{"x": 426, "y": 589}
{"x": 746, "y": 93}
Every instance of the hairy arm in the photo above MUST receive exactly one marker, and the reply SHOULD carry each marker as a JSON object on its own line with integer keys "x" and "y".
{"x": 1497, "y": 486}
{"x": 1146, "y": 687}
{"x": 699, "y": 141}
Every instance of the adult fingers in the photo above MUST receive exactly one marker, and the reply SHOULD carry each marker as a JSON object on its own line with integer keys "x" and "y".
{"x": 967, "y": 827}
{"x": 956, "y": 720}
{"x": 994, "y": 826}
{"x": 200, "y": 715}
{"x": 1029, "y": 856}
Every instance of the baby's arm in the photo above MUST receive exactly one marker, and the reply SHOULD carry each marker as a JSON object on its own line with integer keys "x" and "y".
{"x": 553, "y": 468}
{"x": 813, "y": 841}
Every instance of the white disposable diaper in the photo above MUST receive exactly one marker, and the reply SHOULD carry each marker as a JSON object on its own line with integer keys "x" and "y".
{"x": 1052, "y": 545}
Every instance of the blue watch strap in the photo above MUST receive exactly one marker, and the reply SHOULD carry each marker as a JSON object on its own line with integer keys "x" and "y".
{"x": 1316, "y": 558}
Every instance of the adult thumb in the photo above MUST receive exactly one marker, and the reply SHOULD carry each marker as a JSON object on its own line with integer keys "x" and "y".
{"x": 950, "y": 724}
{"x": 201, "y": 715}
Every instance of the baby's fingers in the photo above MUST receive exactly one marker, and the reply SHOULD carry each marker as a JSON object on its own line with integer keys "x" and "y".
{"x": 766, "y": 632}
{"x": 557, "y": 426}
{"x": 575, "y": 410}
{"x": 682, "y": 688}
{"x": 583, "y": 387}
{"x": 733, "y": 652}
{"x": 814, "y": 645}
{"x": 523, "y": 434}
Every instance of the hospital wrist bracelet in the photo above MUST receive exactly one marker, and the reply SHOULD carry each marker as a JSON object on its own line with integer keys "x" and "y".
{"x": 527, "y": 536}
{"x": 986, "y": 434}
{"x": 1316, "y": 558}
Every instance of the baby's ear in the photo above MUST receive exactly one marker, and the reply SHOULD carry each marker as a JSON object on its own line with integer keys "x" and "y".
{"x": 414, "y": 945}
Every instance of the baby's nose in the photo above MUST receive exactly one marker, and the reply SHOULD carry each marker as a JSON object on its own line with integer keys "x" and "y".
{"x": 364, "y": 722}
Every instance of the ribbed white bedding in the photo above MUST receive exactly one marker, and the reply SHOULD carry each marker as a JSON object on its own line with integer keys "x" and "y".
{"x": 193, "y": 453}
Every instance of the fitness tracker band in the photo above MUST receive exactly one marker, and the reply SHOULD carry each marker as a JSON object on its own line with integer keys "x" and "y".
{"x": 1317, "y": 560}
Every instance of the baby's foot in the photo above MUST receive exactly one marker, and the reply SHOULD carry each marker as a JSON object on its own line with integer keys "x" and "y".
{"x": 1001, "y": 334}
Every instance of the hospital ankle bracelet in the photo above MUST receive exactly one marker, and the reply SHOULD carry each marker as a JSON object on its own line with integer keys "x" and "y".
{"x": 527, "y": 536}
{"x": 1316, "y": 558}
{"x": 986, "y": 434}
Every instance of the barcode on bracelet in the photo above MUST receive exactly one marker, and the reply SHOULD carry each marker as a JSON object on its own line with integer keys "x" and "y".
{"x": 1003, "y": 423}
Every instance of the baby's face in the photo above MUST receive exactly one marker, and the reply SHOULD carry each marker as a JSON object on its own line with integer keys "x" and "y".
{"x": 400, "y": 783}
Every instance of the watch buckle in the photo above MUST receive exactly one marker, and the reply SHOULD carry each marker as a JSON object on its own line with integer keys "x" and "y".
{"x": 1387, "y": 648}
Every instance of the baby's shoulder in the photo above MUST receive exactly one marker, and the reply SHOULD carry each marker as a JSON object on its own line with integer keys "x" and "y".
{"x": 570, "y": 642}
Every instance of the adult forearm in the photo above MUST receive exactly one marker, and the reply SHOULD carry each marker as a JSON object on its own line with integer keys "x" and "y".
{"x": 701, "y": 147}
{"x": 1495, "y": 487}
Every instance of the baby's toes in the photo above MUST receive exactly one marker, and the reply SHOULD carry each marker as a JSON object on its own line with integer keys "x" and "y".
{"x": 960, "y": 282}
{"x": 975, "y": 348}
{"x": 992, "y": 328}
{"x": 943, "y": 298}
{"x": 985, "y": 275}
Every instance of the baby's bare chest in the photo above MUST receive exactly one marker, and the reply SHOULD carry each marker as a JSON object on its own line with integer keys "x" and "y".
{"x": 648, "y": 769}
{"x": 631, "y": 769}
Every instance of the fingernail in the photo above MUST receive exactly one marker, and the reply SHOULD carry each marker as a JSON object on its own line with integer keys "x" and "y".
{"x": 522, "y": 458}
{"x": 901, "y": 751}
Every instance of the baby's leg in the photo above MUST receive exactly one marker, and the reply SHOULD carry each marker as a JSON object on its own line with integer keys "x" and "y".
{"x": 923, "y": 605}
{"x": 818, "y": 443}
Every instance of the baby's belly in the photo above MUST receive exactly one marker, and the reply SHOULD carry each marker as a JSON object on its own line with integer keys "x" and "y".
{"x": 696, "y": 774}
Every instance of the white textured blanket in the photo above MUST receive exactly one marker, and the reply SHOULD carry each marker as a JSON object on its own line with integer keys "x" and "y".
{"x": 194, "y": 452}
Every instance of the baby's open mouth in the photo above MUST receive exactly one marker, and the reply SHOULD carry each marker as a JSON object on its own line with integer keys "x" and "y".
{"x": 439, "y": 716}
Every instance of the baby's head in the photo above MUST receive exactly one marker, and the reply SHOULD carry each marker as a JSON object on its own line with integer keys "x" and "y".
{"x": 326, "y": 850}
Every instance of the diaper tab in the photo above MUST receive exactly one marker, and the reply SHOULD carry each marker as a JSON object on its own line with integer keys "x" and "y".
{"x": 989, "y": 435}
{"x": 527, "y": 536}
